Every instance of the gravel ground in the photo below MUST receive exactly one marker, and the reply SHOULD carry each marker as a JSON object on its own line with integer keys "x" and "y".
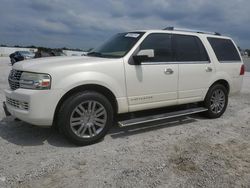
{"x": 186, "y": 152}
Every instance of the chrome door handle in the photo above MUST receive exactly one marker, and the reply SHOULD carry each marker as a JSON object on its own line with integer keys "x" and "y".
{"x": 168, "y": 71}
{"x": 209, "y": 69}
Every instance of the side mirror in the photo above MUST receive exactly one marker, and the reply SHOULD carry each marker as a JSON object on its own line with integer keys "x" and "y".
{"x": 143, "y": 55}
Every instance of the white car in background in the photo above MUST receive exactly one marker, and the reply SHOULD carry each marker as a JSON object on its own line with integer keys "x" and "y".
{"x": 133, "y": 71}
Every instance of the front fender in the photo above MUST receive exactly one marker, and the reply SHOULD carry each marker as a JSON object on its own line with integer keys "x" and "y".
{"x": 83, "y": 78}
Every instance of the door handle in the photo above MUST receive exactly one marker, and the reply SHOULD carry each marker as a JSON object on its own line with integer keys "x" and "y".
{"x": 168, "y": 71}
{"x": 209, "y": 69}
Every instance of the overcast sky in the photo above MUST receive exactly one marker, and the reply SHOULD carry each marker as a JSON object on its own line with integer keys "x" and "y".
{"x": 85, "y": 24}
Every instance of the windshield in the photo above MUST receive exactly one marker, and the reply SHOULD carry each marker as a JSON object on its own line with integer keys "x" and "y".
{"x": 118, "y": 46}
{"x": 25, "y": 53}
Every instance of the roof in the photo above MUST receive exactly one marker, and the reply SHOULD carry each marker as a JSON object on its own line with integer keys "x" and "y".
{"x": 184, "y": 31}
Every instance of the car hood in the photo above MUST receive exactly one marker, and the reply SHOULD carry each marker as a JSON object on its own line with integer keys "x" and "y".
{"x": 48, "y": 64}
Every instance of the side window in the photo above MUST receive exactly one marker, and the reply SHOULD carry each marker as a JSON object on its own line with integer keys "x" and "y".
{"x": 188, "y": 48}
{"x": 224, "y": 49}
{"x": 161, "y": 44}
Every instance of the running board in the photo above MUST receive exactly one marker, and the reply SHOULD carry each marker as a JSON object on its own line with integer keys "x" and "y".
{"x": 158, "y": 117}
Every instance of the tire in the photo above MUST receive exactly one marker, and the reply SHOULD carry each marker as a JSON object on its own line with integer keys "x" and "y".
{"x": 85, "y": 118}
{"x": 216, "y": 101}
{"x": 13, "y": 61}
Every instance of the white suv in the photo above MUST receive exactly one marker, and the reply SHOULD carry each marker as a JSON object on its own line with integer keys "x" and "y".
{"x": 132, "y": 71}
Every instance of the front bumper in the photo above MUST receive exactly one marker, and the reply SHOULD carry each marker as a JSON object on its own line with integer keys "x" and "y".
{"x": 7, "y": 113}
{"x": 36, "y": 107}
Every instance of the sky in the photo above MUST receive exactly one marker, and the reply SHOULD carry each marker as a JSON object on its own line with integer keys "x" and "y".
{"x": 87, "y": 23}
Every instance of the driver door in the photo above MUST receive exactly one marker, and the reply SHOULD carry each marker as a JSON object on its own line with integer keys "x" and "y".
{"x": 154, "y": 82}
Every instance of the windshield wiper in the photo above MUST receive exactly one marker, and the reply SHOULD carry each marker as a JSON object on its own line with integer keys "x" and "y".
{"x": 98, "y": 54}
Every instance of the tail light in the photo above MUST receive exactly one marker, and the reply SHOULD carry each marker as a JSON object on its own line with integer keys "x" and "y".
{"x": 242, "y": 70}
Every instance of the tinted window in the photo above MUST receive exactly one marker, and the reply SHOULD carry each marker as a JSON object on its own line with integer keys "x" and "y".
{"x": 189, "y": 48}
{"x": 224, "y": 49}
{"x": 161, "y": 44}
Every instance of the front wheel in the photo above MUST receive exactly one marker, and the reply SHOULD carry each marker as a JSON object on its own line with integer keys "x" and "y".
{"x": 13, "y": 61}
{"x": 85, "y": 117}
{"x": 216, "y": 101}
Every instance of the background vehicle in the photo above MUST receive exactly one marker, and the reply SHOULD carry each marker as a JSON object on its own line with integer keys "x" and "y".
{"x": 131, "y": 72}
{"x": 20, "y": 56}
{"x": 47, "y": 52}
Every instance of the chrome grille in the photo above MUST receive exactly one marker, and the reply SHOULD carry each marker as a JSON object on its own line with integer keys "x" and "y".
{"x": 17, "y": 104}
{"x": 14, "y": 78}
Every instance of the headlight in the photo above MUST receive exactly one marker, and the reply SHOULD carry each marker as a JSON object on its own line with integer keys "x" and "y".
{"x": 30, "y": 80}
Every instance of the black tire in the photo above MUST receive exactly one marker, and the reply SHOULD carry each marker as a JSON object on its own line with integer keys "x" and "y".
{"x": 211, "y": 113}
{"x": 13, "y": 61}
{"x": 69, "y": 107}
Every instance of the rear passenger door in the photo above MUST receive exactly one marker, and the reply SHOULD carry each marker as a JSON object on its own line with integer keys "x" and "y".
{"x": 195, "y": 69}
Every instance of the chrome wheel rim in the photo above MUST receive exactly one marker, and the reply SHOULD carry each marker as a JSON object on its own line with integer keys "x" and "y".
{"x": 88, "y": 119}
{"x": 217, "y": 101}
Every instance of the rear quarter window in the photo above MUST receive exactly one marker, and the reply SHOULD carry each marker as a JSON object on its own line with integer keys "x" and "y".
{"x": 224, "y": 49}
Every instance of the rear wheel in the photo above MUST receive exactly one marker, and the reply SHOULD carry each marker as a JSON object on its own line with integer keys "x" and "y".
{"x": 85, "y": 117}
{"x": 216, "y": 101}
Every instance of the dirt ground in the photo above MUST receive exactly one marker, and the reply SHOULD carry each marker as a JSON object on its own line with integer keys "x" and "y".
{"x": 186, "y": 152}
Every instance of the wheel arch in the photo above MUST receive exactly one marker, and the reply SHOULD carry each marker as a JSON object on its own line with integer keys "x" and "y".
{"x": 222, "y": 82}
{"x": 88, "y": 87}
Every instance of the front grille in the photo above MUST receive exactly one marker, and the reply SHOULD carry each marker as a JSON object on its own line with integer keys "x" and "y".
{"x": 17, "y": 104}
{"x": 14, "y": 78}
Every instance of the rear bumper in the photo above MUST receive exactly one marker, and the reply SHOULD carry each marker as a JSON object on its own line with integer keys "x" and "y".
{"x": 36, "y": 107}
{"x": 236, "y": 85}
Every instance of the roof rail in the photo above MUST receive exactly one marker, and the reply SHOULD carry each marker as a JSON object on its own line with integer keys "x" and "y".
{"x": 190, "y": 30}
